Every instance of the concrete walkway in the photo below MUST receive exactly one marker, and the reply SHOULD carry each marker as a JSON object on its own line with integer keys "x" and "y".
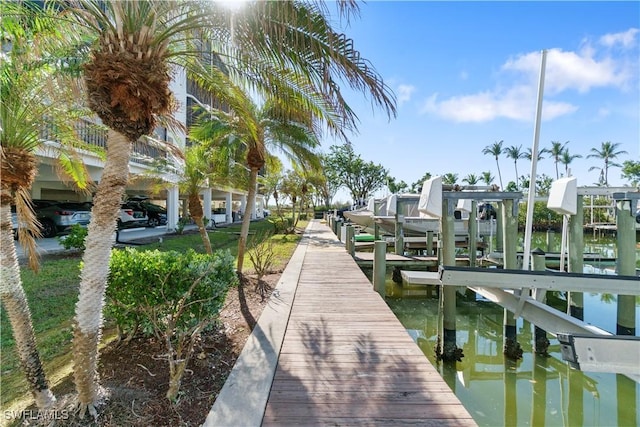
{"x": 327, "y": 350}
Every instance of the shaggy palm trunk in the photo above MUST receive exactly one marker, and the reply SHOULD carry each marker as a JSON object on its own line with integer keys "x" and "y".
{"x": 246, "y": 219}
{"x": 93, "y": 284}
{"x": 14, "y": 301}
{"x": 195, "y": 209}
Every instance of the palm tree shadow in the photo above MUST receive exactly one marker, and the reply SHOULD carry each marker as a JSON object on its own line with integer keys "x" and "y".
{"x": 242, "y": 299}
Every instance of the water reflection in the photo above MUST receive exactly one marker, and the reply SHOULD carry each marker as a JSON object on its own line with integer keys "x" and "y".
{"x": 533, "y": 391}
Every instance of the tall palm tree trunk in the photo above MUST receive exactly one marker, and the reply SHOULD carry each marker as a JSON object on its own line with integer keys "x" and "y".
{"x": 195, "y": 209}
{"x": 14, "y": 301}
{"x": 246, "y": 219}
{"x": 93, "y": 284}
{"x": 499, "y": 174}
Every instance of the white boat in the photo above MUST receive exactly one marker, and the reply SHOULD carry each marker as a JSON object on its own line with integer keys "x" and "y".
{"x": 364, "y": 216}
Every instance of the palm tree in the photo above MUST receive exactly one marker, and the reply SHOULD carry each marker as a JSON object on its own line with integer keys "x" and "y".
{"x": 487, "y": 177}
{"x": 133, "y": 47}
{"x": 267, "y": 127}
{"x": 450, "y": 178}
{"x": 495, "y": 150}
{"x": 515, "y": 153}
{"x": 607, "y": 153}
{"x": 556, "y": 150}
{"x": 471, "y": 179}
{"x": 36, "y": 98}
{"x": 527, "y": 154}
{"x": 566, "y": 160}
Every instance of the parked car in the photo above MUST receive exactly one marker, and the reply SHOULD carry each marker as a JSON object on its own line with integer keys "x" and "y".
{"x": 132, "y": 216}
{"x": 157, "y": 214}
{"x": 638, "y": 216}
{"x": 56, "y": 217}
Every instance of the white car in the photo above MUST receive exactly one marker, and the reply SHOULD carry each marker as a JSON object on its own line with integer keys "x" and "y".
{"x": 132, "y": 218}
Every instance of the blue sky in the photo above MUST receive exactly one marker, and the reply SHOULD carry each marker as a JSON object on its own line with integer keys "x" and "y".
{"x": 466, "y": 74}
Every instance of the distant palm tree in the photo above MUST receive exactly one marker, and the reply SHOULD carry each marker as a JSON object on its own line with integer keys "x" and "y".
{"x": 527, "y": 154}
{"x": 515, "y": 153}
{"x": 495, "y": 150}
{"x": 471, "y": 179}
{"x": 450, "y": 178}
{"x": 607, "y": 152}
{"x": 487, "y": 177}
{"x": 556, "y": 150}
{"x": 566, "y": 160}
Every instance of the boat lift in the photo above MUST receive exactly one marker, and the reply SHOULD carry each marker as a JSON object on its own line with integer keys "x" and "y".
{"x": 584, "y": 346}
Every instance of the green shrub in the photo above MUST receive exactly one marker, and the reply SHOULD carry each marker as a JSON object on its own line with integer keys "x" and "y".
{"x": 75, "y": 238}
{"x": 281, "y": 225}
{"x": 171, "y": 295}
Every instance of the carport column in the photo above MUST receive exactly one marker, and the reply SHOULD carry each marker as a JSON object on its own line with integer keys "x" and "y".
{"x": 173, "y": 207}
{"x": 36, "y": 190}
{"x": 243, "y": 204}
{"x": 206, "y": 205}
{"x": 228, "y": 204}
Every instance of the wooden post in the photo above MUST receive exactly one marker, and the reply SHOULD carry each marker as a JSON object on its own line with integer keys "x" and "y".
{"x": 540, "y": 342}
{"x": 509, "y": 222}
{"x": 550, "y": 240}
{"x": 339, "y": 230}
{"x": 473, "y": 234}
{"x": 575, "y": 300}
{"x": 626, "y": 265}
{"x": 450, "y": 352}
{"x": 376, "y": 227}
{"x": 429, "y": 243}
{"x": 380, "y": 267}
{"x": 399, "y": 245}
{"x": 499, "y": 228}
{"x": 350, "y": 240}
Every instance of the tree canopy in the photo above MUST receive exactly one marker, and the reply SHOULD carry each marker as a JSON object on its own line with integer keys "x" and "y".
{"x": 360, "y": 177}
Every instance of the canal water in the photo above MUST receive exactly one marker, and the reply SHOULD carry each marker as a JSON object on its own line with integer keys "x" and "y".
{"x": 533, "y": 391}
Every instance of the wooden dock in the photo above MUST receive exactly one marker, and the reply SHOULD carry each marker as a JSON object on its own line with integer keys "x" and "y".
{"x": 346, "y": 359}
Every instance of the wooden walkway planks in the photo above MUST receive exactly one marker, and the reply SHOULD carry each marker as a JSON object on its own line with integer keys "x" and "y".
{"x": 346, "y": 359}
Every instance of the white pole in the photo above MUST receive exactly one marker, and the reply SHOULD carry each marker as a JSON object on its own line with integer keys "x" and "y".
{"x": 534, "y": 165}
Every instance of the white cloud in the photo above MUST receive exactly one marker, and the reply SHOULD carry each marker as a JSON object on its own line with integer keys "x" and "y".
{"x": 625, "y": 39}
{"x": 514, "y": 97}
{"x": 404, "y": 93}
{"x": 564, "y": 70}
{"x": 518, "y": 103}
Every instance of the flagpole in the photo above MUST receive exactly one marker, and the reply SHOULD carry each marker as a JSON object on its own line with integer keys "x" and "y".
{"x": 534, "y": 165}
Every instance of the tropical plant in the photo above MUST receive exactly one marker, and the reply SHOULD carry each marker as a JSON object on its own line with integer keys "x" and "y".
{"x": 37, "y": 97}
{"x": 556, "y": 150}
{"x": 607, "y": 153}
{"x": 416, "y": 187}
{"x": 471, "y": 179}
{"x": 515, "y": 153}
{"x": 450, "y": 178}
{"x": 396, "y": 187}
{"x": 631, "y": 171}
{"x": 495, "y": 150}
{"x": 132, "y": 49}
{"x": 258, "y": 128}
{"x": 360, "y": 177}
{"x": 487, "y": 177}
{"x": 567, "y": 158}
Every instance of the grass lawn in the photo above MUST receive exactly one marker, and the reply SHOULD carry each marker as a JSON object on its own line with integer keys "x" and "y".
{"x": 52, "y": 294}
